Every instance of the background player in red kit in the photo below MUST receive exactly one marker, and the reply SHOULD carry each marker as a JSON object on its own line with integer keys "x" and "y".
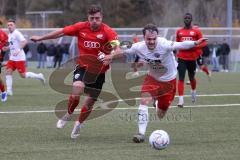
{"x": 3, "y": 42}
{"x": 93, "y": 35}
{"x": 187, "y": 58}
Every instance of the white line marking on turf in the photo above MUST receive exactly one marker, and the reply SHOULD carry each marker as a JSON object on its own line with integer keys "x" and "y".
{"x": 129, "y": 108}
{"x": 213, "y": 95}
{"x": 132, "y": 108}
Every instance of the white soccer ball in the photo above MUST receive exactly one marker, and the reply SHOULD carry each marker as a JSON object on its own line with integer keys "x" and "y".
{"x": 159, "y": 139}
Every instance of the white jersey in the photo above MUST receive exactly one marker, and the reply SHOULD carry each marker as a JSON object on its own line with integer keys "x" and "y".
{"x": 161, "y": 62}
{"x": 15, "y": 38}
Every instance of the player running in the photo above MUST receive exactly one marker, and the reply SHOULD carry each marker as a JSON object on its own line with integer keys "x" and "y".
{"x": 17, "y": 58}
{"x": 187, "y": 57}
{"x": 3, "y": 43}
{"x": 160, "y": 82}
{"x": 93, "y": 35}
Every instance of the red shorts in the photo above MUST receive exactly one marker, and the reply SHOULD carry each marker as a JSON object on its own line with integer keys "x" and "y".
{"x": 19, "y": 65}
{"x": 164, "y": 92}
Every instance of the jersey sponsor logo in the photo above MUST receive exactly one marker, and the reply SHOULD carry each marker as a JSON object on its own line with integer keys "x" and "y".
{"x": 99, "y": 36}
{"x": 192, "y": 33}
{"x": 187, "y": 38}
{"x": 90, "y": 44}
{"x": 83, "y": 34}
{"x": 153, "y": 62}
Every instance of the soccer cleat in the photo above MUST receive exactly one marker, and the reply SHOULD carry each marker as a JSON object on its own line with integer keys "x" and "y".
{"x": 76, "y": 130}
{"x": 180, "y": 105}
{"x": 139, "y": 138}
{"x": 4, "y": 96}
{"x": 63, "y": 121}
{"x": 194, "y": 96}
{"x": 41, "y": 78}
{"x": 9, "y": 92}
{"x": 180, "y": 102}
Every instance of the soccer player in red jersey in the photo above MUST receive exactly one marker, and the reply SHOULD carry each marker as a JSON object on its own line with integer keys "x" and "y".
{"x": 187, "y": 58}
{"x": 3, "y": 43}
{"x": 92, "y": 36}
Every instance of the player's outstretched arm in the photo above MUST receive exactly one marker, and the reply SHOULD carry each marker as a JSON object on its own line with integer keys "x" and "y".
{"x": 187, "y": 44}
{"x": 107, "y": 59}
{"x": 52, "y": 35}
{"x": 200, "y": 41}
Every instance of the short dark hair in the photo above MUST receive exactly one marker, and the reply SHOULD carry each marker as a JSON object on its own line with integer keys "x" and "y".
{"x": 11, "y": 20}
{"x": 150, "y": 27}
{"x": 94, "y": 9}
{"x": 187, "y": 14}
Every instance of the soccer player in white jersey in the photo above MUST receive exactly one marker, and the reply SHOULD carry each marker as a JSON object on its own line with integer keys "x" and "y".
{"x": 160, "y": 82}
{"x": 17, "y": 57}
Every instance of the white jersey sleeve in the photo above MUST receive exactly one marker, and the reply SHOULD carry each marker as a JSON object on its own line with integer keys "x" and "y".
{"x": 15, "y": 38}
{"x": 133, "y": 49}
{"x": 173, "y": 45}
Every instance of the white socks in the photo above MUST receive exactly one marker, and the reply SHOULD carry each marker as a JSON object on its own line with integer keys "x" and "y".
{"x": 32, "y": 75}
{"x": 9, "y": 83}
{"x": 181, "y": 101}
{"x": 142, "y": 118}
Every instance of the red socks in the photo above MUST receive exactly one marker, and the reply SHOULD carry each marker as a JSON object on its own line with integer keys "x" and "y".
{"x": 73, "y": 102}
{"x": 180, "y": 88}
{"x": 2, "y": 87}
{"x": 193, "y": 84}
{"x": 84, "y": 113}
{"x": 205, "y": 69}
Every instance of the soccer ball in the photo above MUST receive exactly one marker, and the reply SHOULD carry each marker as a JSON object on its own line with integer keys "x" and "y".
{"x": 159, "y": 139}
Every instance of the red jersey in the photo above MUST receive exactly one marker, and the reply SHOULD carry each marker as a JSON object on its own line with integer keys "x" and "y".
{"x": 90, "y": 43}
{"x": 191, "y": 34}
{"x": 3, "y": 42}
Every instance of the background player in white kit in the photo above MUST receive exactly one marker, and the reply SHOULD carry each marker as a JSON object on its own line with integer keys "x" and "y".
{"x": 17, "y": 57}
{"x": 160, "y": 82}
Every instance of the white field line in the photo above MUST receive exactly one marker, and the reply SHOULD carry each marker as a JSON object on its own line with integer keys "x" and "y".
{"x": 133, "y": 108}
{"x": 127, "y": 108}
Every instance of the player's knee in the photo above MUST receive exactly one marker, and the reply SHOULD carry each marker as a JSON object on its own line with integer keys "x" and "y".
{"x": 78, "y": 84}
{"x": 8, "y": 72}
{"x": 145, "y": 100}
{"x": 78, "y": 87}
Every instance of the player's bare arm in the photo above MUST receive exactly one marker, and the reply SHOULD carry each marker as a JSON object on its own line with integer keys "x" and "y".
{"x": 188, "y": 44}
{"x": 52, "y": 35}
{"x": 200, "y": 41}
{"x": 116, "y": 53}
